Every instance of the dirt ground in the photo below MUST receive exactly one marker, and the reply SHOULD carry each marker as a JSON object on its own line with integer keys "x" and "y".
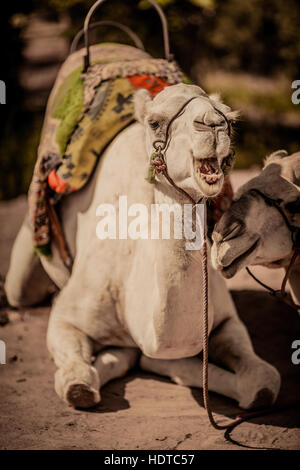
{"x": 141, "y": 411}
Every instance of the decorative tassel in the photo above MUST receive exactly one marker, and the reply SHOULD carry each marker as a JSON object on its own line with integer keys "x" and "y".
{"x": 151, "y": 175}
{"x": 157, "y": 164}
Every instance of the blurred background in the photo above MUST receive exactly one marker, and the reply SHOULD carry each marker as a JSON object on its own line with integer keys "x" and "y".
{"x": 249, "y": 52}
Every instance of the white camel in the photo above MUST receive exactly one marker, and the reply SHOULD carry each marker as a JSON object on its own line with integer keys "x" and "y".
{"x": 253, "y": 232}
{"x": 129, "y": 300}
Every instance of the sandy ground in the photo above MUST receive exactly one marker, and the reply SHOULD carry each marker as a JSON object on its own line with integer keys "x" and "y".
{"x": 141, "y": 411}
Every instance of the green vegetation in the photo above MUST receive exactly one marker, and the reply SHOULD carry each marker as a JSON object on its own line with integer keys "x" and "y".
{"x": 276, "y": 101}
{"x": 253, "y": 142}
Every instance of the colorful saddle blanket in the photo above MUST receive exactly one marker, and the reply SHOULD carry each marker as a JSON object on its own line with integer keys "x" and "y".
{"x": 84, "y": 113}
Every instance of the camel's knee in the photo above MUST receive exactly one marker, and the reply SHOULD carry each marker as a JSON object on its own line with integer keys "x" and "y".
{"x": 258, "y": 384}
{"x": 26, "y": 281}
{"x": 28, "y": 287}
{"x": 16, "y": 293}
{"x": 67, "y": 344}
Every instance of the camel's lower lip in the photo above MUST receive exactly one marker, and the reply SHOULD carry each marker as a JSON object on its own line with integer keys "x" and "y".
{"x": 231, "y": 269}
{"x": 209, "y": 170}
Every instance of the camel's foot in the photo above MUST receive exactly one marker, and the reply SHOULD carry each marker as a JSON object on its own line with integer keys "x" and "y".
{"x": 82, "y": 396}
{"x": 258, "y": 385}
{"x": 78, "y": 385}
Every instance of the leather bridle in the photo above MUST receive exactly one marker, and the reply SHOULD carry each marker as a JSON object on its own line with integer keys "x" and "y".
{"x": 295, "y": 236}
{"x": 158, "y": 160}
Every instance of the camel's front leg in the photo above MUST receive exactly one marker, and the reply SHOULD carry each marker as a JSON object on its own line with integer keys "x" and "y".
{"x": 76, "y": 380}
{"x": 112, "y": 363}
{"x": 258, "y": 382}
{"x": 188, "y": 372}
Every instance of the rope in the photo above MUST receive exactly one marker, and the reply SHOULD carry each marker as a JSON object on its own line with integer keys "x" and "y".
{"x": 205, "y": 336}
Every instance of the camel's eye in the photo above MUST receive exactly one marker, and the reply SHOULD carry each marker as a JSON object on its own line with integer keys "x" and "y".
{"x": 200, "y": 126}
{"x": 154, "y": 124}
{"x": 234, "y": 231}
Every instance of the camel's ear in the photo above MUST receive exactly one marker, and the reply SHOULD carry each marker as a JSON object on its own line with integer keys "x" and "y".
{"x": 279, "y": 153}
{"x": 232, "y": 116}
{"x": 226, "y": 110}
{"x": 141, "y": 99}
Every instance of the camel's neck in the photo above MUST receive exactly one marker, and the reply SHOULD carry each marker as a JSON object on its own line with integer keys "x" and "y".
{"x": 173, "y": 317}
{"x": 165, "y": 316}
{"x": 183, "y": 216}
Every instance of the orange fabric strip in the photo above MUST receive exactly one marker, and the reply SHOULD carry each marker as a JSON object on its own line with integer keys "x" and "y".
{"x": 153, "y": 84}
{"x": 58, "y": 184}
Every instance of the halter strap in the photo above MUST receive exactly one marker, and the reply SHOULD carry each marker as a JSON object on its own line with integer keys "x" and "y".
{"x": 160, "y": 145}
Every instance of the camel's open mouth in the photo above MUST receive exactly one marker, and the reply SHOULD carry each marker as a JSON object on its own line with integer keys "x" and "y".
{"x": 230, "y": 270}
{"x": 209, "y": 170}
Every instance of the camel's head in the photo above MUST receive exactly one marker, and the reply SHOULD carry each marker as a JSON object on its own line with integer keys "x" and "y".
{"x": 198, "y": 150}
{"x": 253, "y": 231}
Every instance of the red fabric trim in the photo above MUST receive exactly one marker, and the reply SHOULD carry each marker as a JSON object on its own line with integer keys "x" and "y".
{"x": 153, "y": 84}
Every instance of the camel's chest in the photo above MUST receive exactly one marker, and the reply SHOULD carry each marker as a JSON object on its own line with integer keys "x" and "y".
{"x": 164, "y": 306}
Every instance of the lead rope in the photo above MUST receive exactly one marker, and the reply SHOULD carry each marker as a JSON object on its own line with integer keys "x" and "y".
{"x": 206, "y": 400}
